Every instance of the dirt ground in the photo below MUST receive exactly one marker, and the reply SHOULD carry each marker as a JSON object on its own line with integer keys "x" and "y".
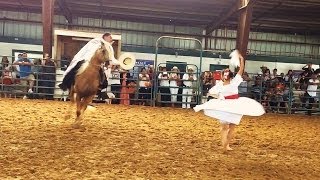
{"x": 136, "y": 142}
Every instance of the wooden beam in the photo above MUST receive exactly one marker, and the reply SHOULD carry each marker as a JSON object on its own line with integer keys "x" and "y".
{"x": 244, "y": 27}
{"x": 47, "y": 23}
{"x": 65, "y": 10}
{"x": 225, "y": 15}
{"x": 268, "y": 11}
{"x": 135, "y": 17}
{"x": 119, "y": 6}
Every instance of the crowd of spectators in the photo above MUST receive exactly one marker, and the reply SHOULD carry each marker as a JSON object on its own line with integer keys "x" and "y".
{"x": 25, "y": 76}
{"x": 175, "y": 87}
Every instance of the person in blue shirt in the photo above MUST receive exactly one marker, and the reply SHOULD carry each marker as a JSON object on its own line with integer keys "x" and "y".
{"x": 26, "y": 76}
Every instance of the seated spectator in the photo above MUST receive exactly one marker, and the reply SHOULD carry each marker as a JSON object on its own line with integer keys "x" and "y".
{"x": 8, "y": 80}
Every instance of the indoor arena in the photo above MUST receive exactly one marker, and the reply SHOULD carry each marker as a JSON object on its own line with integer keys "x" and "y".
{"x": 170, "y": 89}
{"x": 137, "y": 142}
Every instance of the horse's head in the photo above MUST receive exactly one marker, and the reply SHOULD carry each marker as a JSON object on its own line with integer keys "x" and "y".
{"x": 102, "y": 54}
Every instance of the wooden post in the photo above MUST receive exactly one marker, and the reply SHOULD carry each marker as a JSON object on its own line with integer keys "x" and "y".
{"x": 244, "y": 27}
{"x": 47, "y": 24}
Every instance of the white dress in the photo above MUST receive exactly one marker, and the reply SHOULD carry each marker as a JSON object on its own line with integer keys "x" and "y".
{"x": 230, "y": 110}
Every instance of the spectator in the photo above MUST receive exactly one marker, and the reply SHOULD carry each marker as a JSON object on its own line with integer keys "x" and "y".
{"x": 124, "y": 95}
{"x": 266, "y": 75}
{"x": 207, "y": 81}
{"x": 274, "y": 74}
{"x": 16, "y": 67}
{"x": 36, "y": 69}
{"x": 265, "y": 103}
{"x": 281, "y": 78}
{"x": 144, "y": 86}
{"x": 188, "y": 79}
{"x": 317, "y": 71}
{"x": 288, "y": 77}
{"x": 26, "y": 76}
{"x": 257, "y": 88}
{"x": 164, "y": 87}
{"x": 105, "y": 93}
{"x": 115, "y": 83}
{"x": 243, "y": 87}
{"x": 302, "y": 79}
{"x": 298, "y": 96}
{"x": 263, "y": 70}
{"x": 4, "y": 64}
{"x": 8, "y": 80}
{"x": 174, "y": 78}
{"x": 48, "y": 76}
{"x": 308, "y": 69}
{"x": 311, "y": 93}
{"x": 151, "y": 73}
{"x": 65, "y": 61}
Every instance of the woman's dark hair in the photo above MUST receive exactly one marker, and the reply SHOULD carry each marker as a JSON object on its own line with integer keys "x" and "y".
{"x": 142, "y": 69}
{"x": 230, "y": 73}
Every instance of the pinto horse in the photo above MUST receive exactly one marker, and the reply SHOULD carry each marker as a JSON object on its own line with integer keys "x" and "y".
{"x": 86, "y": 83}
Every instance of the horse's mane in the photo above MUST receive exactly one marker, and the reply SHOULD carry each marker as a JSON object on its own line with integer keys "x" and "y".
{"x": 85, "y": 65}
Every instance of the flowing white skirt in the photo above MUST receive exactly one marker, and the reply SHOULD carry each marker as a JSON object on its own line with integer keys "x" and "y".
{"x": 231, "y": 110}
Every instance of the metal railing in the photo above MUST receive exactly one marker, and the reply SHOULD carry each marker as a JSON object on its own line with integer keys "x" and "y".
{"x": 284, "y": 97}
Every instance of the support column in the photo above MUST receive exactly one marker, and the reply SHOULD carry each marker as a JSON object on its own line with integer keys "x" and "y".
{"x": 47, "y": 24}
{"x": 244, "y": 27}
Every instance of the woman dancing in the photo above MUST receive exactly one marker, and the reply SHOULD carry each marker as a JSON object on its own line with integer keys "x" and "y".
{"x": 229, "y": 107}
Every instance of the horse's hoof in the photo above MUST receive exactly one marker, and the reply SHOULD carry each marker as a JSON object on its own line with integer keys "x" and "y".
{"x": 78, "y": 126}
{"x": 66, "y": 117}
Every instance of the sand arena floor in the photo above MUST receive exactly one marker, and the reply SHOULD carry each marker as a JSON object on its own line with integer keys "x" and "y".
{"x": 135, "y": 142}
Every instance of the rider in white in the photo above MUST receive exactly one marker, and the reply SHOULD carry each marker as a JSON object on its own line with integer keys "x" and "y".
{"x": 84, "y": 55}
